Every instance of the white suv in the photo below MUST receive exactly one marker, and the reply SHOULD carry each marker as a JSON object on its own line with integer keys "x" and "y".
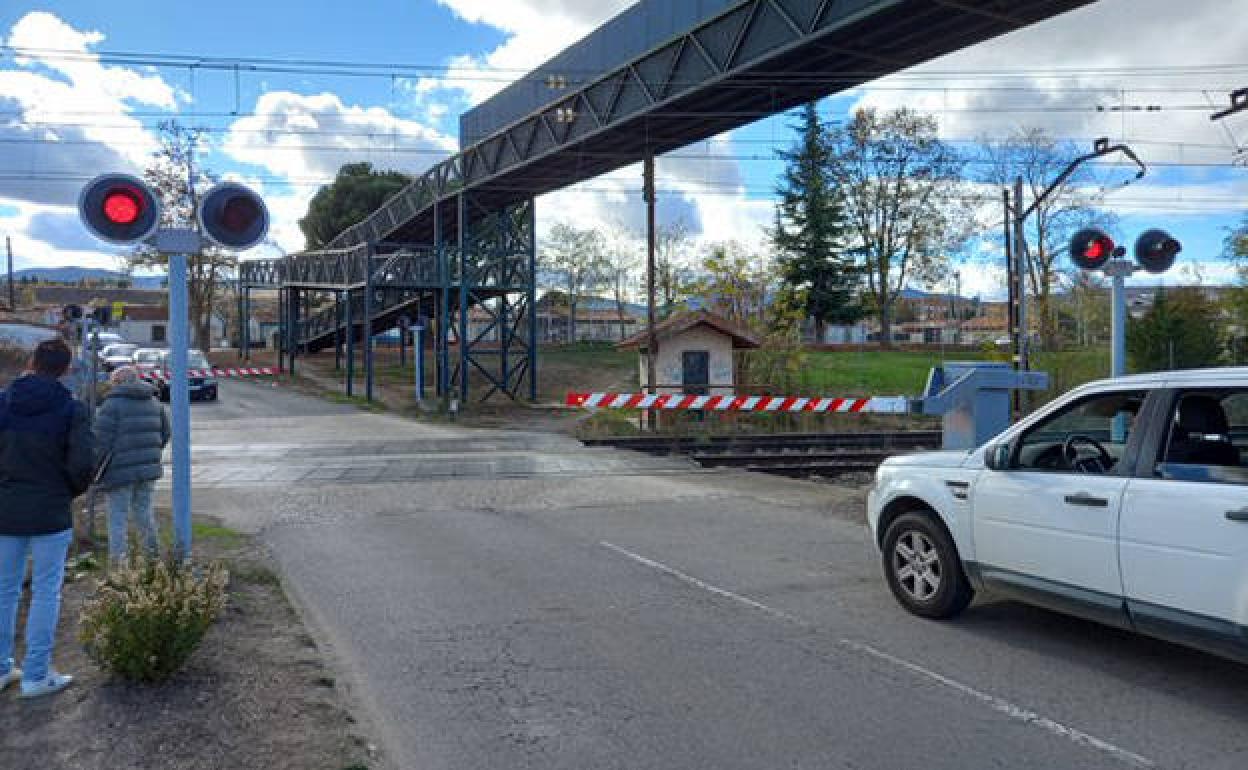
{"x": 1125, "y": 501}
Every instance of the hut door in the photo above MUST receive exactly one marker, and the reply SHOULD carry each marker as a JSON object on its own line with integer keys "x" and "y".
{"x": 695, "y": 371}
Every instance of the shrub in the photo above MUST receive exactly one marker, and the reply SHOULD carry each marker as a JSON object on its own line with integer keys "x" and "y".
{"x": 150, "y": 614}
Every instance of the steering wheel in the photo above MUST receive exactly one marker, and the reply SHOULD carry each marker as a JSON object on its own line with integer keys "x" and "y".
{"x": 1099, "y": 464}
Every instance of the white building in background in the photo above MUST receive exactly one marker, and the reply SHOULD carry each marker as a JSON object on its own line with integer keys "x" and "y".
{"x": 148, "y": 326}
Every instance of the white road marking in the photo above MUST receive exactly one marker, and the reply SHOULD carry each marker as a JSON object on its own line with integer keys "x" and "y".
{"x": 1005, "y": 707}
{"x": 1000, "y": 705}
{"x": 691, "y": 580}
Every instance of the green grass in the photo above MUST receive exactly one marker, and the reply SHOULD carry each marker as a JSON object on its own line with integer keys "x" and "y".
{"x": 905, "y": 373}
{"x": 599, "y": 355}
{"x": 223, "y": 535}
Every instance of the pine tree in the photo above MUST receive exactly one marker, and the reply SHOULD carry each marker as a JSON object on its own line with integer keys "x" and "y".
{"x": 810, "y": 227}
{"x": 1180, "y": 331}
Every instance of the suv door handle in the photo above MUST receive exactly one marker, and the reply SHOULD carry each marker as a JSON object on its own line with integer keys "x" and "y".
{"x": 1085, "y": 499}
{"x": 1240, "y": 515}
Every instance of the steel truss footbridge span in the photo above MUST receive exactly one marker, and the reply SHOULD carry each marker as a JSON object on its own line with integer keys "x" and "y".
{"x": 457, "y": 246}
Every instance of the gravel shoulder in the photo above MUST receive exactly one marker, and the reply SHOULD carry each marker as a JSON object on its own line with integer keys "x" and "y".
{"x": 257, "y": 694}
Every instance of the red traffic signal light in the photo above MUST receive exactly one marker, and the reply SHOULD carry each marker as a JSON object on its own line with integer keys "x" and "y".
{"x": 233, "y": 216}
{"x": 119, "y": 208}
{"x": 1156, "y": 250}
{"x": 1091, "y": 249}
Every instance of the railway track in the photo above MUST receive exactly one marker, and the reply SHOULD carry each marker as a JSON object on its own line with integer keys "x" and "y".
{"x": 787, "y": 454}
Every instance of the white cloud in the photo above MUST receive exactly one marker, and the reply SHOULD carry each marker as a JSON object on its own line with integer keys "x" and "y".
{"x": 310, "y": 136}
{"x": 66, "y": 117}
{"x": 52, "y": 236}
{"x": 305, "y": 139}
{"x": 536, "y": 30}
{"x": 1146, "y": 52}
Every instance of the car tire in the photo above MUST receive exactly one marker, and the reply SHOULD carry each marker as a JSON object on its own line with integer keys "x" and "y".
{"x": 923, "y": 569}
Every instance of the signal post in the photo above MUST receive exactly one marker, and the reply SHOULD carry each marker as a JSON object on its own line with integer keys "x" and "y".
{"x": 1092, "y": 249}
{"x": 122, "y": 209}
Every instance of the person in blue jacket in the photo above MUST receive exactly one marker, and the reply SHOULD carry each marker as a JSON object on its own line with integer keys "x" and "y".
{"x": 46, "y": 460}
{"x": 131, "y": 431}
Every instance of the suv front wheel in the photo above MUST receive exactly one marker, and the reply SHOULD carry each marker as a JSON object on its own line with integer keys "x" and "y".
{"x": 923, "y": 568}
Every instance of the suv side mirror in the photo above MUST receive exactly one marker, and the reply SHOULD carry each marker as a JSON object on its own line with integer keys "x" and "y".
{"x": 997, "y": 457}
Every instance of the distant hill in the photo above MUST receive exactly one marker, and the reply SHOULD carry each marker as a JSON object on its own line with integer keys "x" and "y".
{"x": 72, "y": 275}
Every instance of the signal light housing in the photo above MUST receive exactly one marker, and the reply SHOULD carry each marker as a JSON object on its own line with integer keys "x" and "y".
{"x": 1155, "y": 250}
{"x": 233, "y": 216}
{"x": 119, "y": 208}
{"x": 1091, "y": 249}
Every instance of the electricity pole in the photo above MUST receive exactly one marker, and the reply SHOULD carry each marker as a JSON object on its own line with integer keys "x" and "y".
{"x": 651, "y": 339}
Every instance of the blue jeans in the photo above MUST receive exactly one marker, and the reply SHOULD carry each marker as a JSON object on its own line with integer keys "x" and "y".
{"x": 48, "y": 552}
{"x": 126, "y": 502}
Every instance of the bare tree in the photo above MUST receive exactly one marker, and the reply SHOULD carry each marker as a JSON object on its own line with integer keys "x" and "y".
{"x": 671, "y": 264}
{"x": 620, "y": 268}
{"x": 906, "y": 203}
{"x": 178, "y": 182}
{"x": 576, "y": 257}
{"x": 1035, "y": 156}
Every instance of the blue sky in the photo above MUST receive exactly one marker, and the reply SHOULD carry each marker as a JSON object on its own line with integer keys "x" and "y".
{"x": 286, "y": 132}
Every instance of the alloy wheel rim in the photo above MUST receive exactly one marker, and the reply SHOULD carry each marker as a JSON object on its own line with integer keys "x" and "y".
{"x": 917, "y": 566}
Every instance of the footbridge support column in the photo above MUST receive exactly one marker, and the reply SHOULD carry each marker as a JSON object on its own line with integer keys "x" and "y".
{"x": 492, "y": 291}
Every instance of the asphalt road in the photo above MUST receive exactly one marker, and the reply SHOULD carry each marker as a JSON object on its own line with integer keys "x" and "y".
{"x": 600, "y": 610}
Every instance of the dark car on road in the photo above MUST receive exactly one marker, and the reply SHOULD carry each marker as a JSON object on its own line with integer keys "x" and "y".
{"x": 203, "y": 387}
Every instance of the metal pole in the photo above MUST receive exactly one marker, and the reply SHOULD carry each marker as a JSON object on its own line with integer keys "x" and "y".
{"x": 180, "y": 405}
{"x": 463, "y": 299}
{"x": 418, "y": 359}
{"x": 402, "y": 342}
{"x": 1022, "y": 262}
{"x": 244, "y": 343}
{"x": 1118, "y": 335}
{"x": 282, "y": 330}
{"x": 651, "y": 340}
{"x": 349, "y": 325}
{"x": 368, "y": 324}
{"x": 292, "y": 303}
{"x": 338, "y": 329}
{"x": 93, "y": 361}
{"x": 8, "y": 244}
{"x": 532, "y": 227}
{"x": 441, "y": 342}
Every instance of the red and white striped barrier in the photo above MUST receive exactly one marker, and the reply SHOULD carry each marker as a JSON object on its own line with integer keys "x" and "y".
{"x": 734, "y": 403}
{"x": 249, "y": 371}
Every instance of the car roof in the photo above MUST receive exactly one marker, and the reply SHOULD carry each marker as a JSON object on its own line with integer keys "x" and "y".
{"x": 1189, "y": 377}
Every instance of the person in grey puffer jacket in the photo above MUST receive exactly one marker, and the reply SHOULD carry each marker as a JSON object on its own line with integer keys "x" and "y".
{"x": 131, "y": 431}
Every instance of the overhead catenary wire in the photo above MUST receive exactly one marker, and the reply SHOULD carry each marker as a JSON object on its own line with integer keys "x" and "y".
{"x": 711, "y": 157}
{"x": 1204, "y": 202}
{"x": 307, "y": 66}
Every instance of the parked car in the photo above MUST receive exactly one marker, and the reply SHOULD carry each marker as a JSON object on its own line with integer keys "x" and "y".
{"x": 202, "y": 387}
{"x": 117, "y": 355}
{"x": 148, "y": 359}
{"x": 1125, "y": 501}
{"x": 101, "y": 340}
